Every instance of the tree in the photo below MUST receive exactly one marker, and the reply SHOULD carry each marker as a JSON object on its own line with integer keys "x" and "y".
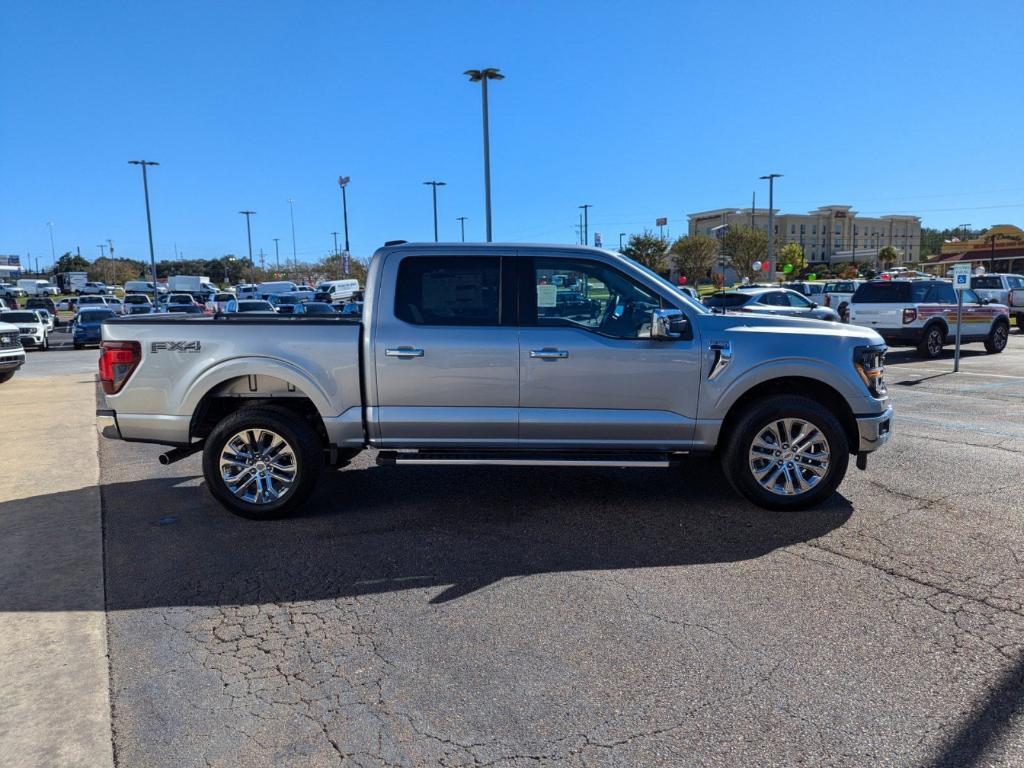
{"x": 71, "y": 262}
{"x": 743, "y": 246}
{"x": 849, "y": 272}
{"x": 888, "y": 256}
{"x": 792, "y": 254}
{"x": 647, "y": 249}
{"x": 695, "y": 255}
{"x": 115, "y": 271}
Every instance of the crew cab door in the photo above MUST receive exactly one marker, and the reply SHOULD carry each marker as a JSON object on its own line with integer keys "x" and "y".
{"x": 445, "y": 353}
{"x": 590, "y": 375}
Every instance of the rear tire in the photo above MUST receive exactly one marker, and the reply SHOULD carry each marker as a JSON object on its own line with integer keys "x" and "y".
{"x": 997, "y": 337}
{"x": 790, "y": 476}
{"x": 6, "y": 376}
{"x": 295, "y": 467}
{"x": 931, "y": 345}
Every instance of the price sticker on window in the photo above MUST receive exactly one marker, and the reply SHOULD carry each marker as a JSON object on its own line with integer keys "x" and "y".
{"x": 547, "y": 295}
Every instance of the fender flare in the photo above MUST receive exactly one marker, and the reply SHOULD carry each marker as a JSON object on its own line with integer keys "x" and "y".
{"x": 220, "y": 373}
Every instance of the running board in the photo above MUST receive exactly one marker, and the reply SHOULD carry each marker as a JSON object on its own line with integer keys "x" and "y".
{"x": 525, "y": 459}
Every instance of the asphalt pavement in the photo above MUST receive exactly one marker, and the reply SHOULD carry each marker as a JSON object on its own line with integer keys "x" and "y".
{"x": 515, "y": 617}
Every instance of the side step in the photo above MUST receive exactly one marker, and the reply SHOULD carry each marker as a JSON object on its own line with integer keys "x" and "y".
{"x": 526, "y": 458}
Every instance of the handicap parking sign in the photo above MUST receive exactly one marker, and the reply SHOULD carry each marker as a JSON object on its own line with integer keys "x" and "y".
{"x": 961, "y": 276}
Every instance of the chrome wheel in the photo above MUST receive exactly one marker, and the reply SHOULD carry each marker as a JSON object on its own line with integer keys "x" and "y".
{"x": 258, "y": 466}
{"x": 789, "y": 457}
{"x": 935, "y": 342}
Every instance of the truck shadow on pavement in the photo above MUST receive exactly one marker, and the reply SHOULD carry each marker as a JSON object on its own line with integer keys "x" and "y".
{"x": 447, "y": 531}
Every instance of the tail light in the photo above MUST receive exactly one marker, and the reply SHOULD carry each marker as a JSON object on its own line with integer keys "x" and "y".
{"x": 118, "y": 359}
{"x": 909, "y": 315}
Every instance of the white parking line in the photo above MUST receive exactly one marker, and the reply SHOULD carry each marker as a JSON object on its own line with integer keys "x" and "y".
{"x": 966, "y": 373}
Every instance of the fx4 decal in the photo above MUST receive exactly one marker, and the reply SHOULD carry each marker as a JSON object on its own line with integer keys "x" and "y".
{"x": 174, "y": 346}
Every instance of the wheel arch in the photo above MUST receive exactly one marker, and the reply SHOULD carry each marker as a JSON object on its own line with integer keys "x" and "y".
{"x": 800, "y": 386}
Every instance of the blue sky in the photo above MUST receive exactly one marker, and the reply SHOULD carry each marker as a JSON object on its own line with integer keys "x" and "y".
{"x": 641, "y": 109}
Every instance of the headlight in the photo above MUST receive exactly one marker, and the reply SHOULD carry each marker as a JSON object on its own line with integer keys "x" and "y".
{"x": 870, "y": 365}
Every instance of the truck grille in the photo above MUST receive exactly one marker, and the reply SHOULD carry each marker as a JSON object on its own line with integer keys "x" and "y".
{"x": 9, "y": 340}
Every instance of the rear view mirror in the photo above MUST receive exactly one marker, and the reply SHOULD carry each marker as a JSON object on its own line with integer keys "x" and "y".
{"x": 669, "y": 324}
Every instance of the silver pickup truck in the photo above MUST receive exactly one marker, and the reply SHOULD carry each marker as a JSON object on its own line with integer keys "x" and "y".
{"x": 518, "y": 355}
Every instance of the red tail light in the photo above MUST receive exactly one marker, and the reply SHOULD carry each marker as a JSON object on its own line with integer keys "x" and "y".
{"x": 909, "y": 316}
{"x": 1009, "y": 298}
{"x": 118, "y": 359}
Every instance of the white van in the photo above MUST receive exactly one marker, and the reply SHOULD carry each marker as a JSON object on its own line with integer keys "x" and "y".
{"x": 138, "y": 286}
{"x": 337, "y": 291}
{"x": 270, "y": 289}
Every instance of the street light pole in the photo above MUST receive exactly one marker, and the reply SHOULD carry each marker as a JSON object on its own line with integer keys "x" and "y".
{"x": 771, "y": 177}
{"x": 462, "y": 224}
{"x": 291, "y": 209}
{"x": 248, "y": 234}
{"x": 343, "y": 182}
{"x": 482, "y": 76}
{"x": 53, "y": 251}
{"x": 335, "y": 244}
{"x": 621, "y": 235}
{"x": 586, "y": 223}
{"x": 149, "y": 220}
{"x": 435, "y": 185}
{"x": 277, "y": 253}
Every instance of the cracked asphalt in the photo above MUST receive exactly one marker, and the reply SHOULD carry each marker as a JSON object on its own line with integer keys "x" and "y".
{"x": 524, "y": 617}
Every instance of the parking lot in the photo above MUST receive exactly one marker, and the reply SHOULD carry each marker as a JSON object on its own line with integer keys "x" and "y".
{"x": 583, "y": 617}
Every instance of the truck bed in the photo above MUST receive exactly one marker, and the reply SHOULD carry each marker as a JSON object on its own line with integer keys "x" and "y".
{"x": 187, "y": 360}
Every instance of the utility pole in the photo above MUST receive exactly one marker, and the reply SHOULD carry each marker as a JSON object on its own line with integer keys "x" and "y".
{"x": 771, "y": 177}
{"x": 262, "y": 262}
{"x": 462, "y": 224}
{"x": 621, "y": 235}
{"x": 335, "y": 244}
{"x": 277, "y": 253}
{"x": 753, "y": 205}
{"x": 343, "y": 182}
{"x": 149, "y": 221}
{"x": 482, "y": 76}
{"x": 579, "y": 228}
{"x": 586, "y": 223}
{"x": 435, "y": 185}
{"x": 103, "y": 255}
{"x": 248, "y": 233}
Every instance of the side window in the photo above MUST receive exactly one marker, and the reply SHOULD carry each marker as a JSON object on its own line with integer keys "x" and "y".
{"x": 970, "y": 297}
{"x": 588, "y": 295}
{"x": 446, "y": 290}
{"x": 774, "y": 299}
{"x": 940, "y": 293}
{"x": 796, "y": 300}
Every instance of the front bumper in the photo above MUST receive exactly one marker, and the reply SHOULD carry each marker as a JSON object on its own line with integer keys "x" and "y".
{"x": 11, "y": 360}
{"x": 874, "y": 431}
{"x": 31, "y": 340}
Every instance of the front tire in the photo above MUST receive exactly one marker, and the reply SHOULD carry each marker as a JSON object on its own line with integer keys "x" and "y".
{"x": 786, "y": 453}
{"x": 262, "y": 462}
{"x": 931, "y": 345}
{"x": 997, "y": 338}
{"x": 6, "y": 376}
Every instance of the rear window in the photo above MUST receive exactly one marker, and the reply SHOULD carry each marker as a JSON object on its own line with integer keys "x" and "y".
{"x": 882, "y": 292}
{"x": 986, "y": 282}
{"x": 94, "y": 315}
{"x": 726, "y": 300}
{"x": 1015, "y": 282}
{"x": 843, "y": 287}
{"x": 448, "y": 291}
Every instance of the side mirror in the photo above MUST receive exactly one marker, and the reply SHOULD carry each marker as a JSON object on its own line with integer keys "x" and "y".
{"x": 814, "y": 305}
{"x": 669, "y": 324}
{"x": 985, "y": 301}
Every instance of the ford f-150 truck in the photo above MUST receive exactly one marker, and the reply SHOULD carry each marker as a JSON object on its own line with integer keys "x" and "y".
{"x": 464, "y": 354}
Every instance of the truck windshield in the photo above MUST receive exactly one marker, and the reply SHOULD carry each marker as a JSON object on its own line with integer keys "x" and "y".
{"x": 19, "y": 317}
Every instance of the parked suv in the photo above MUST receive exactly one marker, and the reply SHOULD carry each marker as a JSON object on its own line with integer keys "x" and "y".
{"x": 44, "y": 302}
{"x": 31, "y": 327}
{"x": 1003, "y": 289}
{"x": 12, "y": 354}
{"x": 922, "y": 314}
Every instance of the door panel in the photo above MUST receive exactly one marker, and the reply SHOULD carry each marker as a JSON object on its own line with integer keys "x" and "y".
{"x": 589, "y": 376}
{"x": 446, "y": 371}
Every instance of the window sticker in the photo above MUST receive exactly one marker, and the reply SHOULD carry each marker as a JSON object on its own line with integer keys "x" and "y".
{"x": 547, "y": 295}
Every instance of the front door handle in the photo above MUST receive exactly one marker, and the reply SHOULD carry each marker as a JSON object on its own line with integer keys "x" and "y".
{"x": 549, "y": 354}
{"x": 403, "y": 352}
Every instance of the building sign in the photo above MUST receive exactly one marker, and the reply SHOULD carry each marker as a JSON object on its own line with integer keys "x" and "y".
{"x": 661, "y": 222}
{"x": 10, "y": 261}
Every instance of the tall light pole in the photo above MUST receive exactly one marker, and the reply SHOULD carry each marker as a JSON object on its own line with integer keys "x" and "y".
{"x": 482, "y": 76}
{"x": 586, "y": 223}
{"x": 335, "y": 244}
{"x": 462, "y": 224}
{"x": 53, "y": 251}
{"x": 277, "y": 253}
{"x": 291, "y": 209}
{"x": 248, "y": 233}
{"x": 621, "y": 235}
{"x": 103, "y": 255}
{"x": 771, "y": 177}
{"x": 343, "y": 182}
{"x": 435, "y": 185}
{"x": 149, "y": 220}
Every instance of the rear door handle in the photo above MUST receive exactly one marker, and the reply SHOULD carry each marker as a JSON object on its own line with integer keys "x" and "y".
{"x": 403, "y": 352}
{"x": 549, "y": 354}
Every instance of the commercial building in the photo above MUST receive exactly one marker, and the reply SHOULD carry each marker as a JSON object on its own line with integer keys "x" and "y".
{"x": 1000, "y": 249}
{"x": 831, "y": 234}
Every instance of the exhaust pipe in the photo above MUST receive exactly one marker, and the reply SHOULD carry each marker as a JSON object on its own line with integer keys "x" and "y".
{"x": 182, "y": 452}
